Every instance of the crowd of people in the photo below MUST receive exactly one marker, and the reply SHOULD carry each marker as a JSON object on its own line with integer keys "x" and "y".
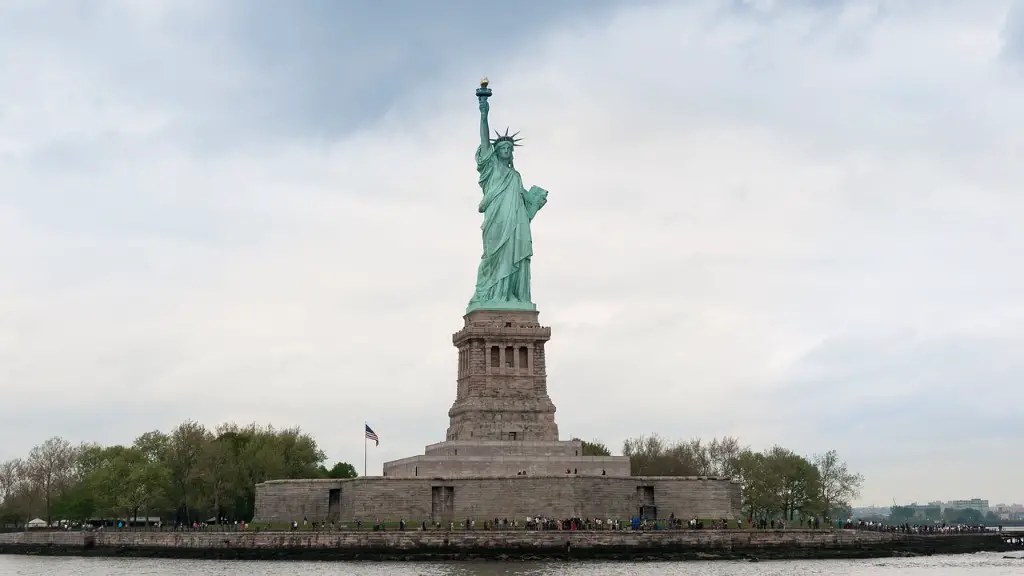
{"x": 545, "y": 523}
{"x": 907, "y": 528}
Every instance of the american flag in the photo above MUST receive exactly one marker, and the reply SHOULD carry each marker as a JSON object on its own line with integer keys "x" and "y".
{"x": 372, "y": 435}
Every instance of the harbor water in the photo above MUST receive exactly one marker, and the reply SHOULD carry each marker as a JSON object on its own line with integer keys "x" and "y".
{"x": 960, "y": 565}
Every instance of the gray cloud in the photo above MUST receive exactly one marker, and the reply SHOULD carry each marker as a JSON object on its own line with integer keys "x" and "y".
{"x": 1013, "y": 33}
{"x": 794, "y": 222}
{"x": 336, "y": 66}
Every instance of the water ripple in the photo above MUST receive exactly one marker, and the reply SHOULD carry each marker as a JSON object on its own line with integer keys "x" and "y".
{"x": 964, "y": 565}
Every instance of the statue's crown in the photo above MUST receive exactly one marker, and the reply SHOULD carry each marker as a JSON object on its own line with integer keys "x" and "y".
{"x": 506, "y": 138}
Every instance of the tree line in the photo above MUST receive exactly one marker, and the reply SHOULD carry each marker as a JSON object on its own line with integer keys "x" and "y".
{"x": 188, "y": 474}
{"x": 777, "y": 483}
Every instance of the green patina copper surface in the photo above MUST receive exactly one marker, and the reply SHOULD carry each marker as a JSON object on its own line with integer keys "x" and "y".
{"x": 503, "y": 277}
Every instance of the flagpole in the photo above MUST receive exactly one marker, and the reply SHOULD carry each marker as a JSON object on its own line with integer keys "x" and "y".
{"x": 364, "y": 449}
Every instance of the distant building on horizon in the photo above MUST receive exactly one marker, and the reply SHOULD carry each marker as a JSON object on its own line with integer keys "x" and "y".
{"x": 1009, "y": 511}
{"x": 973, "y": 504}
{"x": 871, "y": 512}
{"x": 936, "y": 508}
{"x": 931, "y": 511}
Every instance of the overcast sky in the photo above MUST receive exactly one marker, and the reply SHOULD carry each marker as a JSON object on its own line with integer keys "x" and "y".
{"x": 795, "y": 222}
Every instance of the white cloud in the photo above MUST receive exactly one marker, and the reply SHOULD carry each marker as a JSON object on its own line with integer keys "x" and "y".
{"x": 780, "y": 223}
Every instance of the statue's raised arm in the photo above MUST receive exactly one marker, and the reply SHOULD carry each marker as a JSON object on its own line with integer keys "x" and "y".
{"x": 482, "y": 94}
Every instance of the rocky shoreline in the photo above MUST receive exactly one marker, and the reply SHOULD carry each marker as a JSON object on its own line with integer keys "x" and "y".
{"x": 678, "y": 545}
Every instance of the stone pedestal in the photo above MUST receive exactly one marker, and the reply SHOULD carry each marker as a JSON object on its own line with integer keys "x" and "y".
{"x": 502, "y": 383}
{"x": 503, "y": 421}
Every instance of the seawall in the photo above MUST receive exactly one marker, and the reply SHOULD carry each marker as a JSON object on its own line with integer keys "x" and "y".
{"x": 502, "y": 545}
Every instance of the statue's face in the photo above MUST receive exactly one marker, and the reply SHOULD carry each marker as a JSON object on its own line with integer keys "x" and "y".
{"x": 504, "y": 151}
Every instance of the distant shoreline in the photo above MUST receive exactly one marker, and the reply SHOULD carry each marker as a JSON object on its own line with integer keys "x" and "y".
{"x": 499, "y": 545}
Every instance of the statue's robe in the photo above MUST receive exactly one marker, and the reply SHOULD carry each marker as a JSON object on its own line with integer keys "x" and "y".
{"x": 503, "y": 277}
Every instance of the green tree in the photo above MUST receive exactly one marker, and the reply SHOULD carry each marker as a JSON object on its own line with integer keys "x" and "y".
{"x": 219, "y": 471}
{"x": 798, "y": 480}
{"x": 263, "y": 453}
{"x": 593, "y": 448}
{"x": 21, "y": 505}
{"x": 723, "y": 454}
{"x": 965, "y": 516}
{"x": 761, "y": 487}
{"x": 10, "y": 476}
{"x": 339, "y": 470}
{"x": 12, "y": 485}
{"x": 152, "y": 445}
{"x": 83, "y": 497}
{"x": 838, "y": 485}
{"x": 653, "y": 456}
{"x": 50, "y": 466}
{"x": 778, "y": 483}
{"x": 901, "y": 514}
{"x": 184, "y": 450}
{"x": 129, "y": 482}
{"x": 77, "y": 503}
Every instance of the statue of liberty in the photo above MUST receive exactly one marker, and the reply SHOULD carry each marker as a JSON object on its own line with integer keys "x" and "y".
{"x": 503, "y": 277}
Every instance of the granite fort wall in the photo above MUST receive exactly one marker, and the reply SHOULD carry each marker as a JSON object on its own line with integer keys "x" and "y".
{"x": 441, "y": 544}
{"x": 475, "y": 466}
{"x": 505, "y": 448}
{"x": 441, "y": 499}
